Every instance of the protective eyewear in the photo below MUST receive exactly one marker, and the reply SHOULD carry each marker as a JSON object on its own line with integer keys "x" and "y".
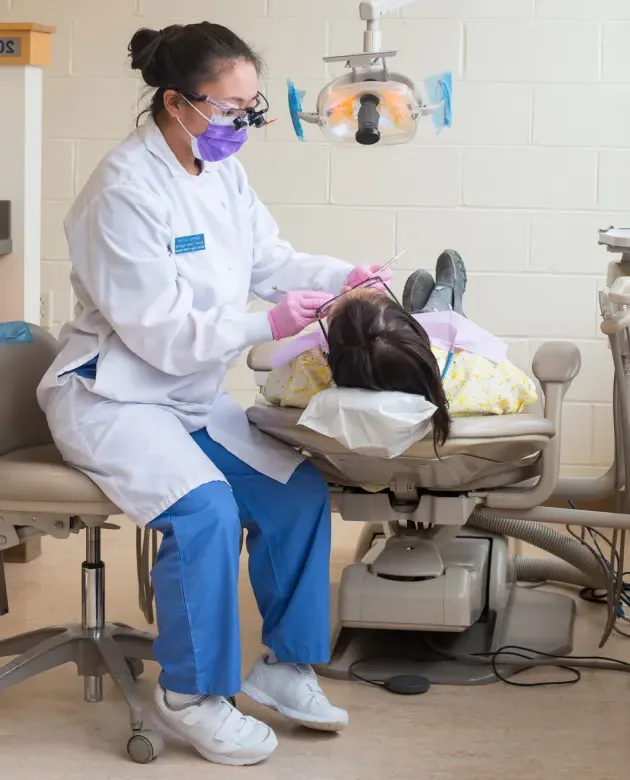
{"x": 252, "y": 116}
{"x": 375, "y": 280}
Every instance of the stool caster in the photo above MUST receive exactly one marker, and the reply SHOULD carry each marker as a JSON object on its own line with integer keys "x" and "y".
{"x": 145, "y": 746}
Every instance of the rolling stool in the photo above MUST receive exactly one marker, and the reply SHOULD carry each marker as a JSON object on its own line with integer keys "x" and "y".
{"x": 40, "y": 495}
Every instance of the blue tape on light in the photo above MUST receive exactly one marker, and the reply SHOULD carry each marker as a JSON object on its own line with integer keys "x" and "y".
{"x": 440, "y": 90}
{"x": 15, "y": 333}
{"x": 295, "y": 108}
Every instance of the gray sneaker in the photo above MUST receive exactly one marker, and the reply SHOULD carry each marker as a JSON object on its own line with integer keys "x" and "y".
{"x": 417, "y": 292}
{"x": 450, "y": 283}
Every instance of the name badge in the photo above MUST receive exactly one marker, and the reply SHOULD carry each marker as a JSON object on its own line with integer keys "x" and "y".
{"x": 186, "y": 244}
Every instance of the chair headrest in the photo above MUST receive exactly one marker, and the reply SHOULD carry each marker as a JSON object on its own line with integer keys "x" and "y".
{"x": 379, "y": 424}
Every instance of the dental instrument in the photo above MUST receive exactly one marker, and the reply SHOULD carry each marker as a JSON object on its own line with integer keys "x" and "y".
{"x": 372, "y": 105}
{"x": 387, "y": 265}
{"x": 391, "y": 262}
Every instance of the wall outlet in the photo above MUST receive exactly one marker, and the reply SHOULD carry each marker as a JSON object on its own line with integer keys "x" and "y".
{"x": 46, "y": 310}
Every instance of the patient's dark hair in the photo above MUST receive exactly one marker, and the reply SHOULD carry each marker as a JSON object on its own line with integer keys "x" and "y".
{"x": 374, "y": 344}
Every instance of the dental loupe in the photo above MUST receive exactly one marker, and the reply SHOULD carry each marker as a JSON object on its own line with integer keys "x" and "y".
{"x": 371, "y": 105}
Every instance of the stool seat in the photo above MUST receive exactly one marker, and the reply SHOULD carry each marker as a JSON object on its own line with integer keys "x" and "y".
{"x": 37, "y": 478}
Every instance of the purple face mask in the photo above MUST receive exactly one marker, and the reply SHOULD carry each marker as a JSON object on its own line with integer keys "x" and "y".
{"x": 219, "y": 141}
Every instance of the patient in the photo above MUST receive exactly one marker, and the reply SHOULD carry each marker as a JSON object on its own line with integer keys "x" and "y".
{"x": 373, "y": 343}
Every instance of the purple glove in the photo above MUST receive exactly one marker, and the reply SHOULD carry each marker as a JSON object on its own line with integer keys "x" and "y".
{"x": 295, "y": 312}
{"x": 364, "y": 272}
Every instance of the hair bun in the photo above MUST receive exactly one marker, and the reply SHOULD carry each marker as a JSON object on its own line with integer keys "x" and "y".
{"x": 142, "y": 51}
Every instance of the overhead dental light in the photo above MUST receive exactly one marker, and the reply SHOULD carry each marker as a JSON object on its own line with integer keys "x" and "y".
{"x": 371, "y": 105}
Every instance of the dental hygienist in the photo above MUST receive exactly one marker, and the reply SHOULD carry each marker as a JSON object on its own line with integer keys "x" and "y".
{"x": 167, "y": 241}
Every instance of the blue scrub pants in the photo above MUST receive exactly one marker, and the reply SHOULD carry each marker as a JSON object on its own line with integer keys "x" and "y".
{"x": 196, "y": 573}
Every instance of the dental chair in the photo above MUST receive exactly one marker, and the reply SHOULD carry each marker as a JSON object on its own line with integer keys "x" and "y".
{"x": 39, "y": 495}
{"x": 435, "y": 583}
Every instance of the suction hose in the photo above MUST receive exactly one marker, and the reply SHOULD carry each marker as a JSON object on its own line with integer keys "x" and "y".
{"x": 547, "y": 570}
{"x": 579, "y": 566}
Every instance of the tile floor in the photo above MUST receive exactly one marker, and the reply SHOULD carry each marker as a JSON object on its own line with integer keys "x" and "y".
{"x": 489, "y": 733}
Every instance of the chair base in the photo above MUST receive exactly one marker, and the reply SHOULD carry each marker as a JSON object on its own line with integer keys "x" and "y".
{"x": 513, "y": 617}
{"x": 96, "y": 647}
{"x": 534, "y": 619}
{"x": 115, "y": 649}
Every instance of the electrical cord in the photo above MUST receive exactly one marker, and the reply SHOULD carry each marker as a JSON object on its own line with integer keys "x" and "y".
{"x": 534, "y": 659}
{"x": 509, "y": 655}
{"x": 375, "y": 683}
{"x": 617, "y": 595}
{"x": 494, "y": 658}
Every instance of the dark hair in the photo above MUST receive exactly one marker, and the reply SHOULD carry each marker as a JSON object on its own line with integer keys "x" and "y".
{"x": 180, "y": 57}
{"x": 374, "y": 344}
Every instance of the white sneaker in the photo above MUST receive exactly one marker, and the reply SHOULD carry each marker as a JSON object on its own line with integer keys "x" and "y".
{"x": 216, "y": 730}
{"x": 293, "y": 691}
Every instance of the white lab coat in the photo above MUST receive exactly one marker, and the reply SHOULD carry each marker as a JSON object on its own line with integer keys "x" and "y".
{"x": 166, "y": 318}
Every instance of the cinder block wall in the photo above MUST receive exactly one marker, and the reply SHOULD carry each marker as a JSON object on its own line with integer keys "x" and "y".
{"x": 538, "y": 159}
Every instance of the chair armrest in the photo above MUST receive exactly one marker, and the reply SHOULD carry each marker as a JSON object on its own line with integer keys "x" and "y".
{"x": 259, "y": 357}
{"x": 557, "y": 361}
{"x": 555, "y": 365}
